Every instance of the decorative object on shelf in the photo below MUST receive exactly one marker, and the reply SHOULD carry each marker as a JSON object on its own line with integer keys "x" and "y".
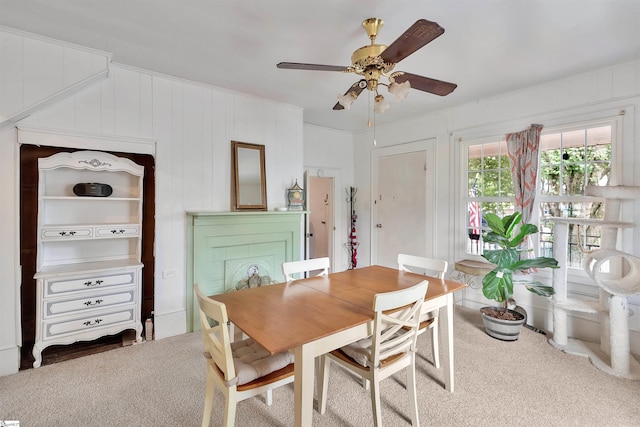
{"x": 295, "y": 196}
{"x": 352, "y": 244}
{"x": 92, "y": 189}
{"x": 500, "y": 322}
{"x": 253, "y": 280}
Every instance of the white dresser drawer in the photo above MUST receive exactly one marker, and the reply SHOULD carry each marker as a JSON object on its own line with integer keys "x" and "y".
{"x": 67, "y": 233}
{"x": 58, "y": 307}
{"x": 60, "y": 286}
{"x": 88, "y": 322}
{"x": 128, "y": 230}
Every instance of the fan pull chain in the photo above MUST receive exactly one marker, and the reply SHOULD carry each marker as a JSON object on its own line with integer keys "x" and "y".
{"x": 369, "y": 110}
{"x": 369, "y": 120}
{"x": 374, "y": 129}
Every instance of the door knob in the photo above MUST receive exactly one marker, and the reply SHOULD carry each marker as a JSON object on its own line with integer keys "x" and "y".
{"x": 378, "y": 225}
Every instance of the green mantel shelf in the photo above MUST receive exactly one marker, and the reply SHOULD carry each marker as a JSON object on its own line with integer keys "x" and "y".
{"x": 245, "y": 213}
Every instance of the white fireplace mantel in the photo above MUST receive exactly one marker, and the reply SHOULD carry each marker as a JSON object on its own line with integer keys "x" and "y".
{"x": 225, "y": 248}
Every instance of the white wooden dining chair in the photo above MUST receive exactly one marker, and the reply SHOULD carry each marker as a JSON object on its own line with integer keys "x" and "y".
{"x": 429, "y": 320}
{"x": 391, "y": 348}
{"x": 240, "y": 369}
{"x": 318, "y": 266}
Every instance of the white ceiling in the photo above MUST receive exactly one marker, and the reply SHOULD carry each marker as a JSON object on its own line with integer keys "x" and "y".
{"x": 489, "y": 46}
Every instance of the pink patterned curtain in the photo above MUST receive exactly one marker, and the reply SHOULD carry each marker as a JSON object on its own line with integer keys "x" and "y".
{"x": 523, "y": 150}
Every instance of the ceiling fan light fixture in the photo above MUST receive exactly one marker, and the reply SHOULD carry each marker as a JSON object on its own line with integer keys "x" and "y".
{"x": 374, "y": 61}
{"x": 347, "y": 99}
{"x": 400, "y": 90}
{"x": 381, "y": 105}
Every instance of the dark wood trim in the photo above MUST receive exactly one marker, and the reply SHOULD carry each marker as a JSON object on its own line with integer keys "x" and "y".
{"x": 29, "y": 155}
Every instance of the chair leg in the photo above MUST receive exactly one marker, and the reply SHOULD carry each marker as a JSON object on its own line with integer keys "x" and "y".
{"x": 323, "y": 382}
{"x": 235, "y": 333}
{"x": 316, "y": 368}
{"x": 365, "y": 383}
{"x": 411, "y": 389}
{"x": 375, "y": 400}
{"x": 208, "y": 400}
{"x": 269, "y": 397}
{"x": 435, "y": 344}
{"x": 230, "y": 409}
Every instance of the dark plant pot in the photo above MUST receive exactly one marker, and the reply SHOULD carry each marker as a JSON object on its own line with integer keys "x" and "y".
{"x": 505, "y": 330}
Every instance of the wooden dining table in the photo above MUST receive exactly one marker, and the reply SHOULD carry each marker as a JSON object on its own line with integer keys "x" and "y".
{"x": 316, "y": 315}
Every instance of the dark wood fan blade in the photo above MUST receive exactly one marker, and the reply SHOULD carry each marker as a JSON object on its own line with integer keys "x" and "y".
{"x": 317, "y": 67}
{"x": 356, "y": 88}
{"x": 427, "y": 84}
{"x": 418, "y": 35}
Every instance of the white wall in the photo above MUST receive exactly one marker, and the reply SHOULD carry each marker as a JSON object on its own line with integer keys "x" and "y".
{"x": 192, "y": 126}
{"x": 595, "y": 94}
{"x": 9, "y": 255}
{"x": 37, "y": 72}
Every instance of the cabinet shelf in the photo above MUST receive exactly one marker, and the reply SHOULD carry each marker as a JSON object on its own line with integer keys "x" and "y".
{"x": 90, "y": 224}
{"x": 87, "y": 268}
{"x": 121, "y": 236}
{"x": 93, "y": 199}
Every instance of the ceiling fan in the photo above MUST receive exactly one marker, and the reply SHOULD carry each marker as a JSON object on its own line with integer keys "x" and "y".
{"x": 377, "y": 60}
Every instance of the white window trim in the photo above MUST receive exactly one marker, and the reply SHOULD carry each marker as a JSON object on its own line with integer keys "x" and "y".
{"x": 621, "y": 119}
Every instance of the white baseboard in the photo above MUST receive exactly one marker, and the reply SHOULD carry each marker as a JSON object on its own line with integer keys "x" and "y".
{"x": 9, "y": 360}
{"x": 170, "y": 324}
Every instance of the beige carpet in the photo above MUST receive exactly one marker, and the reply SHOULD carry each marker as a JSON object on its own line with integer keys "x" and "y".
{"x": 161, "y": 383}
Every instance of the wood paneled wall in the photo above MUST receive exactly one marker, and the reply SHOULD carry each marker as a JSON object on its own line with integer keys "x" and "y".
{"x": 192, "y": 126}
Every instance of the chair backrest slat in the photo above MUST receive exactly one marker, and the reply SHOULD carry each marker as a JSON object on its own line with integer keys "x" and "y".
{"x": 422, "y": 265}
{"x": 216, "y": 337}
{"x": 389, "y": 337}
{"x": 306, "y": 265}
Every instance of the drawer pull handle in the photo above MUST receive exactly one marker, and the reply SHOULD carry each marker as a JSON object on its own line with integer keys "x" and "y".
{"x": 90, "y": 323}
{"x": 67, "y": 233}
{"x": 90, "y": 303}
{"x": 96, "y": 283}
{"x": 117, "y": 231}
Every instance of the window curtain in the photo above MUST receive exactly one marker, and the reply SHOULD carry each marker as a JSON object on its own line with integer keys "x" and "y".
{"x": 523, "y": 150}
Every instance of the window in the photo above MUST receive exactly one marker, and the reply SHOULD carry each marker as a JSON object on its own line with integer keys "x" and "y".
{"x": 569, "y": 161}
{"x": 570, "y": 158}
{"x": 490, "y": 188}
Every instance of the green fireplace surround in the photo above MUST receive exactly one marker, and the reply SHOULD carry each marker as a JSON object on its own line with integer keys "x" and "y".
{"x": 225, "y": 250}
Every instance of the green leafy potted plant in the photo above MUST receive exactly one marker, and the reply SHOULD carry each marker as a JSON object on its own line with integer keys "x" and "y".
{"x": 501, "y": 322}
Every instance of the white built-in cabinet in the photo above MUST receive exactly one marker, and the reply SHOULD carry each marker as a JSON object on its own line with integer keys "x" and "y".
{"x": 88, "y": 268}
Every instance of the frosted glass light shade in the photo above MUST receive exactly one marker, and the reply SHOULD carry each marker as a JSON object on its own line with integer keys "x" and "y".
{"x": 400, "y": 90}
{"x": 346, "y": 100}
{"x": 381, "y": 105}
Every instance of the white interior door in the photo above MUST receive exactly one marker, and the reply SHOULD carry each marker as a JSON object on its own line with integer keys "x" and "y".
{"x": 402, "y": 202}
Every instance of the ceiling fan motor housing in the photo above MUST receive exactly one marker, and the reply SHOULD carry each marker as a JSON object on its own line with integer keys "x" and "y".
{"x": 366, "y": 61}
{"x": 372, "y": 26}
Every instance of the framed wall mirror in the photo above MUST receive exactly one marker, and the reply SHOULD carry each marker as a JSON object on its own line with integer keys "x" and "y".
{"x": 248, "y": 177}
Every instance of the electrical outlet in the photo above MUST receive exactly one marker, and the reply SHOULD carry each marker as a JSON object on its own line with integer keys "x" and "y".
{"x": 167, "y": 274}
